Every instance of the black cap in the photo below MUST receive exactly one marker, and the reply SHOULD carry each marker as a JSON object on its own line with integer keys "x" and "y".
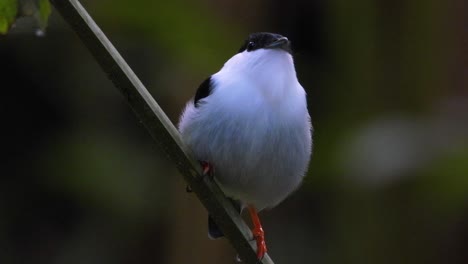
{"x": 265, "y": 40}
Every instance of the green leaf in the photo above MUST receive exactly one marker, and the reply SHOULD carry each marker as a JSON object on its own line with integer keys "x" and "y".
{"x": 43, "y": 13}
{"x": 8, "y": 11}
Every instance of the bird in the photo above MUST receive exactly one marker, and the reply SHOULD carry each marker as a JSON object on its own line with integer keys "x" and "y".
{"x": 249, "y": 125}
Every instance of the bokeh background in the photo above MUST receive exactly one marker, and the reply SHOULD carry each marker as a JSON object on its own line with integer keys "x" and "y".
{"x": 82, "y": 181}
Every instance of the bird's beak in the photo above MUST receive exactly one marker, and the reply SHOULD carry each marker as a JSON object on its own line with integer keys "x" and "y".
{"x": 281, "y": 43}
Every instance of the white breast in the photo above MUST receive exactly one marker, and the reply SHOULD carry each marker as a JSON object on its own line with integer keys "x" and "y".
{"x": 254, "y": 128}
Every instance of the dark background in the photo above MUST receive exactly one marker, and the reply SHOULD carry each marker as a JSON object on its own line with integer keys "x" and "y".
{"x": 82, "y": 181}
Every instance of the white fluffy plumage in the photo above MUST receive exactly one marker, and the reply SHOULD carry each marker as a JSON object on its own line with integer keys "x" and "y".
{"x": 253, "y": 127}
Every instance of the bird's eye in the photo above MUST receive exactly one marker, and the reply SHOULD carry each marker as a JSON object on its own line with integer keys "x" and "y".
{"x": 250, "y": 46}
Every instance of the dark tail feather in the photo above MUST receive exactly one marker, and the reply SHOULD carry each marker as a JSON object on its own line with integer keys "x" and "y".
{"x": 213, "y": 230}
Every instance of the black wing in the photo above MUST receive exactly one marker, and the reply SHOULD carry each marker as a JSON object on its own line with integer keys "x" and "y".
{"x": 203, "y": 91}
{"x": 213, "y": 230}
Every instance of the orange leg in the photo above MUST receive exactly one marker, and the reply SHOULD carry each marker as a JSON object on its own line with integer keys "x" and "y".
{"x": 258, "y": 233}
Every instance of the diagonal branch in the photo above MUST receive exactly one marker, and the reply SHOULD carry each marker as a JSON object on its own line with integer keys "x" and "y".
{"x": 160, "y": 127}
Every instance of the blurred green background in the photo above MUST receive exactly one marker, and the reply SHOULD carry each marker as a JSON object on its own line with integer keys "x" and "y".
{"x": 82, "y": 181}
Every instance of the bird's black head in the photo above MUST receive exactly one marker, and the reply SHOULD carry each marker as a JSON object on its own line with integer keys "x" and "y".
{"x": 265, "y": 40}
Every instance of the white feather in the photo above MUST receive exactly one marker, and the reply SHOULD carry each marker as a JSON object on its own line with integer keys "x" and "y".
{"x": 254, "y": 128}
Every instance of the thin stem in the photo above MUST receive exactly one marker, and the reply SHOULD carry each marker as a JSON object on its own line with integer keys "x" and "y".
{"x": 164, "y": 133}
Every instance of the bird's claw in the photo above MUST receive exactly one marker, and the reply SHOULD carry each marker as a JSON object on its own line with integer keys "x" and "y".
{"x": 207, "y": 169}
{"x": 259, "y": 236}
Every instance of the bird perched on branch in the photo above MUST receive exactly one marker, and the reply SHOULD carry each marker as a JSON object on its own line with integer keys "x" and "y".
{"x": 249, "y": 124}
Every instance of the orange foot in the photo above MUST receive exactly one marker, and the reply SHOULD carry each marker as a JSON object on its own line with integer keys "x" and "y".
{"x": 207, "y": 169}
{"x": 258, "y": 233}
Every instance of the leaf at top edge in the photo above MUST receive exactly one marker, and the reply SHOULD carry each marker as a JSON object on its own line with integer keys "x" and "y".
{"x": 8, "y": 11}
{"x": 43, "y": 13}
